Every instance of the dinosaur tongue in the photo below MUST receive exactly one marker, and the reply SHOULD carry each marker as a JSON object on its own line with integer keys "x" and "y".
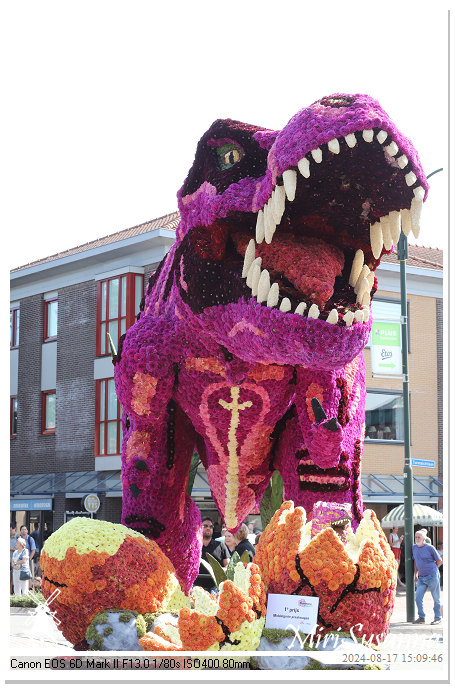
{"x": 309, "y": 264}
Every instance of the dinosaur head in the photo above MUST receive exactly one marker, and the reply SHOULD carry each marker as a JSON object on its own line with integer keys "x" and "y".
{"x": 281, "y": 231}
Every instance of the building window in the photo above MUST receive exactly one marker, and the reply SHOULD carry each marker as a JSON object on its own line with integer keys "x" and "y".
{"x": 108, "y": 419}
{"x": 14, "y": 319}
{"x": 13, "y": 416}
{"x": 50, "y": 320}
{"x": 118, "y": 300}
{"x": 48, "y": 402}
{"x": 384, "y": 420}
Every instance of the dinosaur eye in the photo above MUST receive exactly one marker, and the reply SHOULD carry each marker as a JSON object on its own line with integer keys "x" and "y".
{"x": 228, "y": 155}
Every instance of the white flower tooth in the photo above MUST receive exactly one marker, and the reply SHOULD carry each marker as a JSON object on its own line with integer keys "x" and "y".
{"x": 260, "y": 229}
{"x": 285, "y": 305}
{"x": 364, "y": 299}
{"x": 381, "y": 136}
{"x": 366, "y": 313}
{"x": 368, "y": 135}
{"x": 410, "y": 178}
{"x": 392, "y": 149}
{"x": 402, "y": 161}
{"x": 273, "y": 295}
{"x": 364, "y": 272}
{"x": 334, "y": 146}
{"x": 351, "y": 140}
{"x": 370, "y": 279}
{"x": 290, "y": 183}
{"x": 274, "y": 208}
{"x": 263, "y": 286}
{"x": 279, "y": 203}
{"x": 269, "y": 223}
{"x": 406, "y": 221}
{"x": 357, "y": 265}
{"x": 348, "y": 318}
{"x": 376, "y": 239}
{"x": 249, "y": 278}
{"x": 332, "y": 317}
{"x": 364, "y": 290}
{"x": 249, "y": 257}
{"x": 416, "y": 211}
{"x": 358, "y": 315}
{"x": 386, "y": 235}
{"x": 301, "y": 308}
{"x": 304, "y": 167}
{"x": 419, "y": 193}
{"x": 317, "y": 155}
{"x": 313, "y": 312}
{"x": 255, "y": 278}
{"x": 395, "y": 229}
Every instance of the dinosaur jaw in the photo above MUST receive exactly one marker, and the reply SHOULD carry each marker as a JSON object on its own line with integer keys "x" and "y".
{"x": 325, "y": 224}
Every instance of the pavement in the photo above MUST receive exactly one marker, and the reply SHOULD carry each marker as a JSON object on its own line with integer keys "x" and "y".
{"x": 34, "y": 629}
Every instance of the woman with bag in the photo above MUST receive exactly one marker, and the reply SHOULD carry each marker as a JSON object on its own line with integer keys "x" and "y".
{"x": 21, "y": 570}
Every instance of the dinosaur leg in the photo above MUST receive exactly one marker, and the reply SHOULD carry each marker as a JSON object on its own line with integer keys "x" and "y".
{"x": 158, "y": 443}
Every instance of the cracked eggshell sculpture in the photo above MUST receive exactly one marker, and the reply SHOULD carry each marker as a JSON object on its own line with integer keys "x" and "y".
{"x": 90, "y": 566}
{"x": 248, "y": 345}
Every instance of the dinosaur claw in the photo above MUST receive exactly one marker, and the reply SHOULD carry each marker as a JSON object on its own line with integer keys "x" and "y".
{"x": 332, "y": 424}
{"x": 318, "y": 411}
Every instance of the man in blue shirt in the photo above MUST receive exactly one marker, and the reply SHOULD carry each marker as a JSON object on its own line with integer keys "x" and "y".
{"x": 426, "y": 563}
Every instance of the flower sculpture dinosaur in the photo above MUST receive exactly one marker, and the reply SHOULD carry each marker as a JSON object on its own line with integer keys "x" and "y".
{"x": 248, "y": 345}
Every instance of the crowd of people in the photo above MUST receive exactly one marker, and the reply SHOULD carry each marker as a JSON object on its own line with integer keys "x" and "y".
{"x": 222, "y": 544}
{"x": 24, "y": 557}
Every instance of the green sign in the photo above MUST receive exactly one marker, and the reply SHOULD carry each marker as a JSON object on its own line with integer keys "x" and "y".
{"x": 386, "y": 348}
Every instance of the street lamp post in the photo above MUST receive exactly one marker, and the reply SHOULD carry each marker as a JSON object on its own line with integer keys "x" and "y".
{"x": 402, "y": 253}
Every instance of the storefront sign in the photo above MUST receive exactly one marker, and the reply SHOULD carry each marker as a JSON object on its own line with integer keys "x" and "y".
{"x": 297, "y": 610}
{"x": 30, "y": 504}
{"x": 417, "y": 462}
{"x": 386, "y": 348}
{"x": 92, "y": 503}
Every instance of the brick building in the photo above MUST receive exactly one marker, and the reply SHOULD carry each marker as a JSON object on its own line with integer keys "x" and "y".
{"x": 65, "y": 420}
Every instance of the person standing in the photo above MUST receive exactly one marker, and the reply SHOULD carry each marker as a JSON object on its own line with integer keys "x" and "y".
{"x": 216, "y": 549}
{"x": 426, "y": 570}
{"x": 31, "y": 548}
{"x": 19, "y": 561}
{"x": 36, "y": 536}
{"x": 243, "y": 544}
{"x": 13, "y": 535}
{"x": 395, "y": 541}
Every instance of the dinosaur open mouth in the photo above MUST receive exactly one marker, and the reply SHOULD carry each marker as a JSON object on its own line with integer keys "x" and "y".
{"x": 314, "y": 246}
{"x": 319, "y": 238}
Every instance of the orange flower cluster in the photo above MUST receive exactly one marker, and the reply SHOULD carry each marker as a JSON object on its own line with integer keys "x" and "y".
{"x": 376, "y": 571}
{"x": 235, "y": 607}
{"x": 152, "y": 642}
{"x": 257, "y": 590}
{"x": 325, "y": 559}
{"x": 198, "y": 631}
{"x": 138, "y": 444}
{"x": 279, "y": 543}
{"x": 143, "y": 392}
